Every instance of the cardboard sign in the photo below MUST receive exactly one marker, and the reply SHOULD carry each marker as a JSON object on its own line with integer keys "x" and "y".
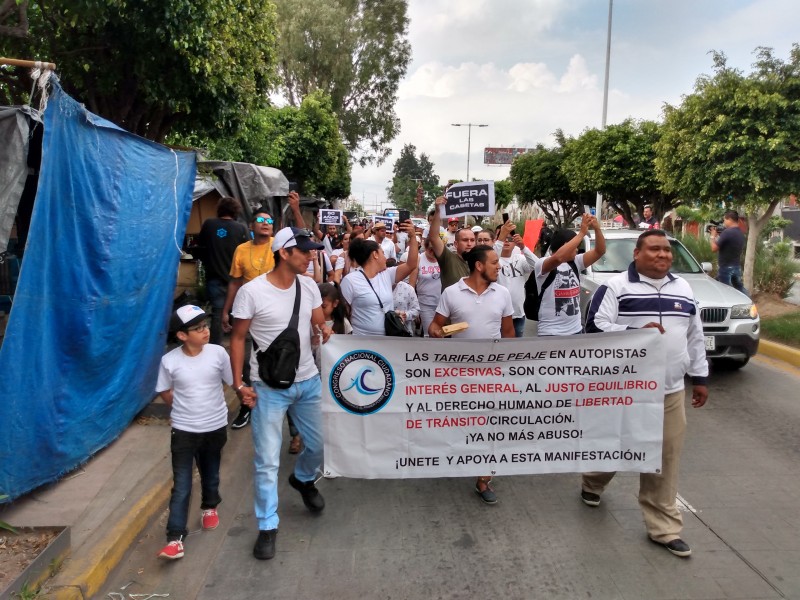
{"x": 469, "y": 198}
{"x": 329, "y": 216}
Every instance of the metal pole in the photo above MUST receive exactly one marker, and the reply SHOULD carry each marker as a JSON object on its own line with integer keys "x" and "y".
{"x": 599, "y": 201}
{"x": 469, "y": 127}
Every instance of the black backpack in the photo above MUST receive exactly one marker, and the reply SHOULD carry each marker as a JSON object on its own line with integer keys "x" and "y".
{"x": 533, "y": 296}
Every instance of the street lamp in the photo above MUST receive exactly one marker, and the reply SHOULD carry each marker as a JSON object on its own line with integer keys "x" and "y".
{"x": 599, "y": 200}
{"x": 469, "y": 127}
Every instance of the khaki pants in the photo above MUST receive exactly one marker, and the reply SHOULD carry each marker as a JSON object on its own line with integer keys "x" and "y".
{"x": 657, "y": 491}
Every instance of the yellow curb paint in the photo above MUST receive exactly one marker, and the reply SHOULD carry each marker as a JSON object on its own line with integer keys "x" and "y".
{"x": 780, "y": 352}
{"x": 83, "y": 576}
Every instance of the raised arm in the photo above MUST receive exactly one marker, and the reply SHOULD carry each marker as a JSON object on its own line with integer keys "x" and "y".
{"x": 592, "y": 256}
{"x": 294, "y": 204}
{"x": 567, "y": 252}
{"x": 436, "y": 224}
{"x": 410, "y": 266}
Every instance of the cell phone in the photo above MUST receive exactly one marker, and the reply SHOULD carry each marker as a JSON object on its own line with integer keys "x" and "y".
{"x": 505, "y": 217}
{"x": 293, "y": 187}
{"x": 404, "y": 215}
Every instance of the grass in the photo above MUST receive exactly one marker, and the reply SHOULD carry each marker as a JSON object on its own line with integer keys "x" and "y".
{"x": 784, "y": 329}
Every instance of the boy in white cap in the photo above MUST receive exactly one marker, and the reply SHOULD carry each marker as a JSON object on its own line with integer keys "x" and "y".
{"x": 190, "y": 382}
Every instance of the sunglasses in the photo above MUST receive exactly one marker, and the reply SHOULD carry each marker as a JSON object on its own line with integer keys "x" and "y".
{"x": 266, "y": 220}
{"x": 199, "y": 327}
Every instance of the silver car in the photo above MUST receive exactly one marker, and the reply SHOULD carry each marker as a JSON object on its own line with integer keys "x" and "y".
{"x": 730, "y": 319}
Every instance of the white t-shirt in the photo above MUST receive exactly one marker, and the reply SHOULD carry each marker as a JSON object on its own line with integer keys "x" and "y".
{"x": 402, "y": 241}
{"x": 198, "y": 403}
{"x": 388, "y": 247}
{"x": 328, "y": 267}
{"x": 484, "y": 312}
{"x": 560, "y": 311}
{"x": 514, "y": 272}
{"x": 269, "y": 309}
{"x": 429, "y": 284}
{"x": 366, "y": 315}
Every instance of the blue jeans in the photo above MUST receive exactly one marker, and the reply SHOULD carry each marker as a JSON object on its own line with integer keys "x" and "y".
{"x": 217, "y": 290}
{"x": 519, "y": 327}
{"x": 206, "y": 450}
{"x": 732, "y": 276}
{"x": 303, "y": 400}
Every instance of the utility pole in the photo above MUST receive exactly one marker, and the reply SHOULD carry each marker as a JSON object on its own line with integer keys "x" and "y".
{"x": 469, "y": 127}
{"x": 599, "y": 201}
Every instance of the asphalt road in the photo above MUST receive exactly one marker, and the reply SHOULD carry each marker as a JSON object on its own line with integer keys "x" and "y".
{"x": 427, "y": 539}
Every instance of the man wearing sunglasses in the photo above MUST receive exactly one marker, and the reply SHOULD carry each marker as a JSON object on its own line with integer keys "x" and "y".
{"x": 250, "y": 260}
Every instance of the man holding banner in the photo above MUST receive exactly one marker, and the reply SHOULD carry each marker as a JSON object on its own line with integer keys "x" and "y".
{"x": 485, "y": 306}
{"x": 630, "y": 301}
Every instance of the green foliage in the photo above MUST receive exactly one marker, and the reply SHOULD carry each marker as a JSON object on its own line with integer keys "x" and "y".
{"x": 303, "y": 142}
{"x": 537, "y": 178}
{"x": 503, "y": 193}
{"x": 774, "y": 269}
{"x": 774, "y": 224}
{"x": 618, "y": 162}
{"x": 3, "y": 524}
{"x": 357, "y": 52}
{"x": 700, "y": 248}
{"x": 784, "y": 329}
{"x": 149, "y": 66}
{"x": 735, "y": 135}
{"x": 409, "y": 172}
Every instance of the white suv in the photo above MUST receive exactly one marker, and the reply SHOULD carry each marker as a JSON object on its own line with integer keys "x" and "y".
{"x": 730, "y": 319}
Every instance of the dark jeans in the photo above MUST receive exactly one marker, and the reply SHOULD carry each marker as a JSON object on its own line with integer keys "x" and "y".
{"x": 206, "y": 450}
{"x": 732, "y": 276}
{"x": 216, "y": 290}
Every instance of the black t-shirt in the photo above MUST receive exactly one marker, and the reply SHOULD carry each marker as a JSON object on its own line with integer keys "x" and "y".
{"x": 730, "y": 242}
{"x": 219, "y": 239}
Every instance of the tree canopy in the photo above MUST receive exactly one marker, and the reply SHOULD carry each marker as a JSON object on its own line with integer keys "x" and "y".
{"x": 409, "y": 172}
{"x": 737, "y": 137}
{"x": 357, "y": 52}
{"x": 148, "y": 66}
{"x": 303, "y": 142}
{"x": 618, "y": 161}
{"x": 536, "y": 178}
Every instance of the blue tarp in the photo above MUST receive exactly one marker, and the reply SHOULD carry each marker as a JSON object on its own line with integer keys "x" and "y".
{"x": 90, "y": 314}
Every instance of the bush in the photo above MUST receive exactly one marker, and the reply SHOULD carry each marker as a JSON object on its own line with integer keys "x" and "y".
{"x": 774, "y": 270}
{"x": 700, "y": 247}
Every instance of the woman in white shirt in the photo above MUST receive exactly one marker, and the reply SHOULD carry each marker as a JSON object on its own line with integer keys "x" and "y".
{"x": 362, "y": 289}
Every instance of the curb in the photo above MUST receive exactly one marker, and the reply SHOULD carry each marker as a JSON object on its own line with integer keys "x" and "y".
{"x": 83, "y": 575}
{"x": 780, "y": 352}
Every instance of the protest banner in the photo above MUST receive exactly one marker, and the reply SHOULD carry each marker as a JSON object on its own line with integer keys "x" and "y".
{"x": 395, "y": 408}
{"x": 469, "y": 198}
{"x": 328, "y": 216}
{"x": 389, "y": 221}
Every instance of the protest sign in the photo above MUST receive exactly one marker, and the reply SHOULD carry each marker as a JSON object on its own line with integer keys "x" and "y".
{"x": 329, "y": 216}
{"x": 397, "y": 408}
{"x": 389, "y": 221}
{"x": 469, "y": 198}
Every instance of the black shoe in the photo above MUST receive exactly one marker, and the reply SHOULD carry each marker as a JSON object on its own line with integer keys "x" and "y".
{"x": 311, "y": 496}
{"x": 242, "y": 419}
{"x": 487, "y": 495}
{"x": 590, "y": 499}
{"x": 677, "y": 547}
{"x": 265, "y": 544}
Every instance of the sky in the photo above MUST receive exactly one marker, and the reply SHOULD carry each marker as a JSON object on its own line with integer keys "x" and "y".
{"x": 526, "y": 68}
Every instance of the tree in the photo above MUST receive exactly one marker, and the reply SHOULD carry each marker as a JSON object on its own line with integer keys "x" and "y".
{"x": 409, "y": 173}
{"x": 536, "y": 178}
{"x": 148, "y": 66}
{"x": 357, "y": 52}
{"x": 737, "y": 137}
{"x": 503, "y": 193}
{"x": 303, "y": 142}
{"x": 618, "y": 162}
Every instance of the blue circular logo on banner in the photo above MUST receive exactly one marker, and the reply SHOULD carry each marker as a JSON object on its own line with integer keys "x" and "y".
{"x": 362, "y": 382}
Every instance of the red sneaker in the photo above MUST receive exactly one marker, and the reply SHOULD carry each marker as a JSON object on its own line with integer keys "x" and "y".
{"x": 172, "y": 550}
{"x": 210, "y": 518}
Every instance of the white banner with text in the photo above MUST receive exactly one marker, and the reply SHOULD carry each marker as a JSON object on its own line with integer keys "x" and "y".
{"x": 408, "y": 407}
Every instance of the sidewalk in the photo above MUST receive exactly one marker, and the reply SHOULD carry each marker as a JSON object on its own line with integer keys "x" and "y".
{"x": 111, "y": 500}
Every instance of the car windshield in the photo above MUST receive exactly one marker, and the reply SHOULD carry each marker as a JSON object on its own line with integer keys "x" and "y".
{"x": 619, "y": 254}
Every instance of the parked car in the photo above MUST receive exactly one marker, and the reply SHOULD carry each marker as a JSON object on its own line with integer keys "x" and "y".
{"x": 419, "y": 222}
{"x": 730, "y": 319}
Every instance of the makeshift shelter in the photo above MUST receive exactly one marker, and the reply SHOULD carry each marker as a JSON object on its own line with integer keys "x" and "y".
{"x": 89, "y": 319}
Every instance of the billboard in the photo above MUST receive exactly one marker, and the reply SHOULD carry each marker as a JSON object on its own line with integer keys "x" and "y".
{"x": 503, "y": 156}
